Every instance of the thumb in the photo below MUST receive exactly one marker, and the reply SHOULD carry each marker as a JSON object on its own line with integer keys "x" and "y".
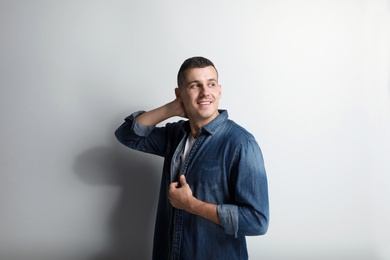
{"x": 183, "y": 180}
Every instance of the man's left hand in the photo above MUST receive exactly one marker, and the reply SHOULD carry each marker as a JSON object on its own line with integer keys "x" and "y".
{"x": 180, "y": 196}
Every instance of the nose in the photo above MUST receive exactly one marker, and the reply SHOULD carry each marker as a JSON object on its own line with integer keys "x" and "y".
{"x": 204, "y": 90}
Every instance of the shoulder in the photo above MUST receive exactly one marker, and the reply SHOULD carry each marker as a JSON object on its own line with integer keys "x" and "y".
{"x": 237, "y": 131}
{"x": 234, "y": 137}
{"x": 240, "y": 143}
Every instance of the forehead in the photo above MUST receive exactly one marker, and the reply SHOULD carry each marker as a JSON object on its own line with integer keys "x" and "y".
{"x": 201, "y": 74}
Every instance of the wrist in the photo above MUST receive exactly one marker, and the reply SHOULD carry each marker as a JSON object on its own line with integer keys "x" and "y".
{"x": 175, "y": 108}
{"x": 196, "y": 206}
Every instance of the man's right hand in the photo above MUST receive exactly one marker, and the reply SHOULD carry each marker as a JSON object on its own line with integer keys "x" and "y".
{"x": 178, "y": 107}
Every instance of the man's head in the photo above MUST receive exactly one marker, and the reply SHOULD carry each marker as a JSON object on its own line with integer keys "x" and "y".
{"x": 191, "y": 63}
{"x": 198, "y": 90}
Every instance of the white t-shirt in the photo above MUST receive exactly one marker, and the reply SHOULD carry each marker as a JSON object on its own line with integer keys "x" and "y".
{"x": 187, "y": 148}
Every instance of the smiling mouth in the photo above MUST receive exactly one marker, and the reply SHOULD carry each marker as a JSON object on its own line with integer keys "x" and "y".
{"x": 204, "y": 103}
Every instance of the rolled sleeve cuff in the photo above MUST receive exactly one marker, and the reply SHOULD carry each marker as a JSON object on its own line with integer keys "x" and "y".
{"x": 228, "y": 216}
{"x": 140, "y": 130}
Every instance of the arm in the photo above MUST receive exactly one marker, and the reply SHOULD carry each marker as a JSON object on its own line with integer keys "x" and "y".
{"x": 248, "y": 214}
{"x": 181, "y": 197}
{"x": 155, "y": 116}
{"x": 136, "y": 129}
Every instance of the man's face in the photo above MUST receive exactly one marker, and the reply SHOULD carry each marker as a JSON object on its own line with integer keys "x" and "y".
{"x": 200, "y": 94}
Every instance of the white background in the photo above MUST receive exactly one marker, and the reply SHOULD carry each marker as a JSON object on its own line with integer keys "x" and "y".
{"x": 310, "y": 79}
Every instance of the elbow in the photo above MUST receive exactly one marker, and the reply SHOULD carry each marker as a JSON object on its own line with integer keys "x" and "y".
{"x": 122, "y": 138}
{"x": 118, "y": 134}
{"x": 259, "y": 225}
{"x": 261, "y": 228}
{"x": 121, "y": 135}
{"x": 125, "y": 137}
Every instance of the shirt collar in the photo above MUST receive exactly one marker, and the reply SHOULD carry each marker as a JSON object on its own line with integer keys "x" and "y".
{"x": 211, "y": 127}
{"x": 217, "y": 122}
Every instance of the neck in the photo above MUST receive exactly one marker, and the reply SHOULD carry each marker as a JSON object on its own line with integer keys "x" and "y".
{"x": 195, "y": 131}
{"x": 196, "y": 125}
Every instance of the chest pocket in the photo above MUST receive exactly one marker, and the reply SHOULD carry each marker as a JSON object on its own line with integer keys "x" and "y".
{"x": 208, "y": 179}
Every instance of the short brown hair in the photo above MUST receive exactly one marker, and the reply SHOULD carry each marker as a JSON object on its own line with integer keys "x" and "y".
{"x": 190, "y": 63}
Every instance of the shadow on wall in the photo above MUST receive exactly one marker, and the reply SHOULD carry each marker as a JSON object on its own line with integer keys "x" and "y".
{"x": 131, "y": 223}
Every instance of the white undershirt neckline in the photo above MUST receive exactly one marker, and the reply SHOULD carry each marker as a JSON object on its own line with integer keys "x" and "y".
{"x": 187, "y": 148}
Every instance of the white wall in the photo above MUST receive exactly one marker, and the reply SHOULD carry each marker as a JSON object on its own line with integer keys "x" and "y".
{"x": 310, "y": 79}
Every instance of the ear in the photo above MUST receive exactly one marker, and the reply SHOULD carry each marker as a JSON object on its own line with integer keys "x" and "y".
{"x": 177, "y": 94}
{"x": 220, "y": 91}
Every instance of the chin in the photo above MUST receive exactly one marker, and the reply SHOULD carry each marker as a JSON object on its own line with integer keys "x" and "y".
{"x": 208, "y": 115}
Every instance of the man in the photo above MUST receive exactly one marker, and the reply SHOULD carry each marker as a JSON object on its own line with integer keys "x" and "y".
{"x": 214, "y": 187}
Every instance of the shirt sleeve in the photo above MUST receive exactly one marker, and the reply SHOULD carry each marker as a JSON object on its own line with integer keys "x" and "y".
{"x": 248, "y": 214}
{"x": 228, "y": 215}
{"x": 139, "y": 129}
{"x": 149, "y": 139}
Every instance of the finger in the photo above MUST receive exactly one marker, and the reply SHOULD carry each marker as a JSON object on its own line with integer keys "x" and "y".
{"x": 173, "y": 185}
{"x": 183, "y": 180}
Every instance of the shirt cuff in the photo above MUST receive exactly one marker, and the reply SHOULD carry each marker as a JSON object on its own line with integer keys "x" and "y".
{"x": 228, "y": 215}
{"x": 139, "y": 129}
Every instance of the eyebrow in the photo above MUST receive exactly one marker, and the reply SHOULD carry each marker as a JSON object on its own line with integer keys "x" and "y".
{"x": 197, "y": 81}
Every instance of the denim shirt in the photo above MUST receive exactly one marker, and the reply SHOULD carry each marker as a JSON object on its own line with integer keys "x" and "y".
{"x": 224, "y": 167}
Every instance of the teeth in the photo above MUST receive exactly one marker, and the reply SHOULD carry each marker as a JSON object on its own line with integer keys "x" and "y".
{"x": 204, "y": 103}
